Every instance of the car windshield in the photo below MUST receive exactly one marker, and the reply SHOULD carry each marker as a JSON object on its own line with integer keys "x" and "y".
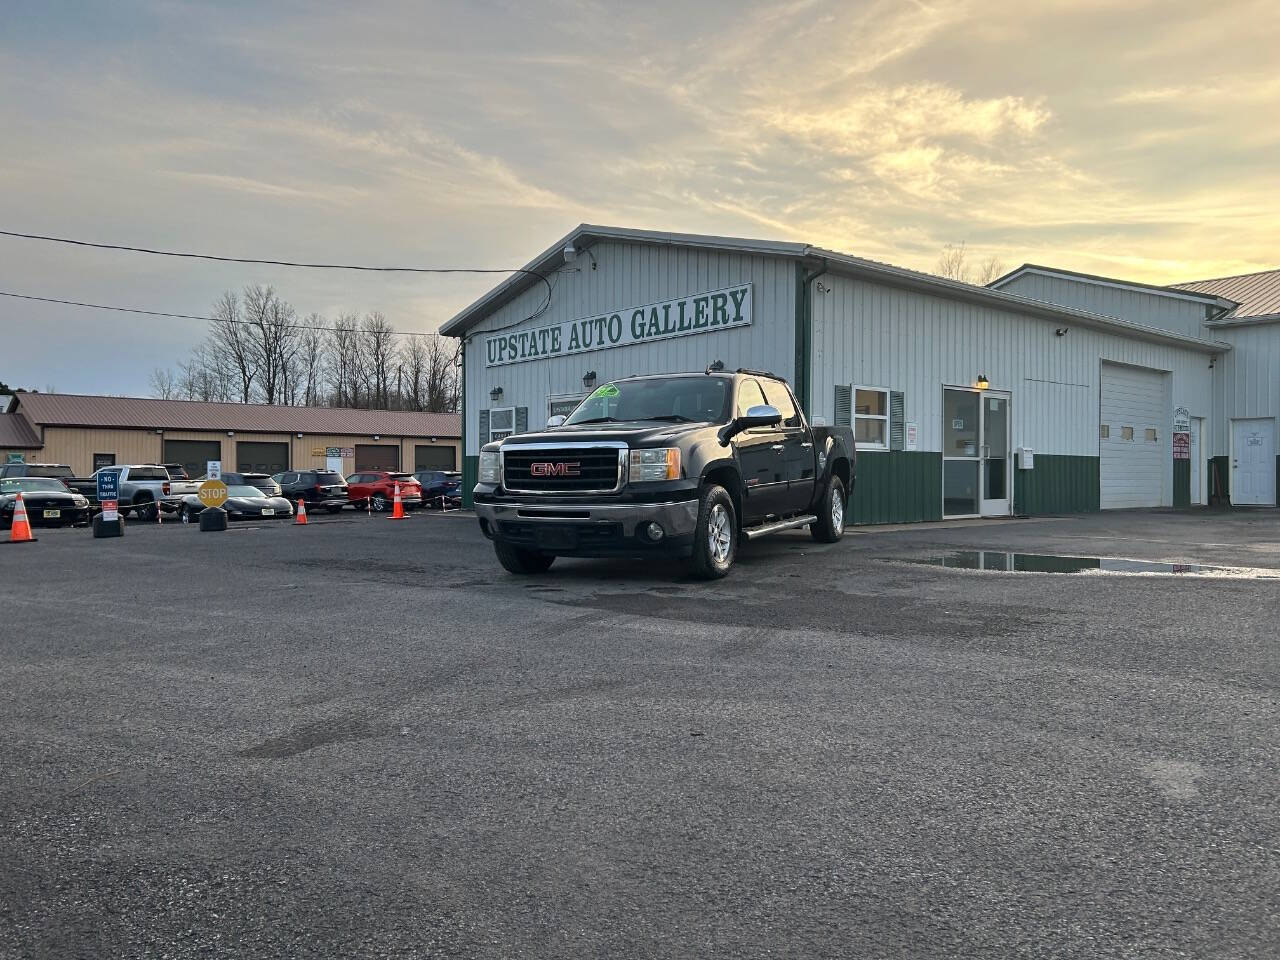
{"x": 679, "y": 399}
{"x": 31, "y": 484}
{"x": 243, "y": 490}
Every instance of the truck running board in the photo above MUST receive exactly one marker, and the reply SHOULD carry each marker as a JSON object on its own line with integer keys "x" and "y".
{"x": 754, "y": 532}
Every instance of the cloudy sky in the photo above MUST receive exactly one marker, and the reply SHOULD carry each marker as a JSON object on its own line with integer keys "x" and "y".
{"x": 1132, "y": 139}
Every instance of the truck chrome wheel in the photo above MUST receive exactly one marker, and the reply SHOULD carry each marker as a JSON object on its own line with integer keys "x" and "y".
{"x": 719, "y": 536}
{"x": 837, "y": 509}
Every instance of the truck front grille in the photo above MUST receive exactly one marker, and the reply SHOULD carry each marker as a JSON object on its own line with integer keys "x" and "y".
{"x": 562, "y": 469}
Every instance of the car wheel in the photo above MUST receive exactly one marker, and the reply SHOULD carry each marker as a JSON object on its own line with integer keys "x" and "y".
{"x": 516, "y": 560}
{"x": 830, "y": 525}
{"x": 715, "y": 538}
{"x": 378, "y": 502}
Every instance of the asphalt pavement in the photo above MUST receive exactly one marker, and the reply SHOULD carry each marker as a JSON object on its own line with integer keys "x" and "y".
{"x": 362, "y": 738}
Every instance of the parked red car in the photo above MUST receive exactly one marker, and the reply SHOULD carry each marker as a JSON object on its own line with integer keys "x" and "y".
{"x": 376, "y": 488}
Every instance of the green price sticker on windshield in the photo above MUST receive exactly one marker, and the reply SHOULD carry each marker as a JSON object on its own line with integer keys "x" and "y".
{"x": 608, "y": 390}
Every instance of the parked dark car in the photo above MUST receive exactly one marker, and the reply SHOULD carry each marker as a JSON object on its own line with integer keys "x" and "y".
{"x": 58, "y": 470}
{"x": 376, "y": 489}
{"x": 48, "y": 501}
{"x": 319, "y": 488}
{"x": 260, "y": 480}
{"x": 687, "y": 465}
{"x": 243, "y": 503}
{"x": 437, "y": 484}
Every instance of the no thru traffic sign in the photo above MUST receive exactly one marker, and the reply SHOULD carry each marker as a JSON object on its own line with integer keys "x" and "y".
{"x": 212, "y": 493}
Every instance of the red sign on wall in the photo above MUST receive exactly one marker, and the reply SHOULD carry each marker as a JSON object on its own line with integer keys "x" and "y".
{"x": 1182, "y": 446}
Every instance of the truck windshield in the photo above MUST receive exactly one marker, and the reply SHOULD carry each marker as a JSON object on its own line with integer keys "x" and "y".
{"x": 695, "y": 399}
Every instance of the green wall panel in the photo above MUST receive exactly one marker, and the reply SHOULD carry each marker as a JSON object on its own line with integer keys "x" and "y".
{"x": 470, "y": 470}
{"x": 897, "y": 486}
{"x": 1057, "y": 484}
{"x": 1182, "y": 483}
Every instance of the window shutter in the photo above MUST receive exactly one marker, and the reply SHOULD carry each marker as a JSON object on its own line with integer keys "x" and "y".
{"x": 844, "y": 406}
{"x": 897, "y": 408}
{"x": 484, "y": 427}
{"x": 522, "y": 419}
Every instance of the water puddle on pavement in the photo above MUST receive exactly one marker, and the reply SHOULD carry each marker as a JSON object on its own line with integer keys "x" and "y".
{"x": 1007, "y": 562}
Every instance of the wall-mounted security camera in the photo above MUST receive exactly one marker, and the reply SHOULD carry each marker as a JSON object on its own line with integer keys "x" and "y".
{"x": 1060, "y": 332}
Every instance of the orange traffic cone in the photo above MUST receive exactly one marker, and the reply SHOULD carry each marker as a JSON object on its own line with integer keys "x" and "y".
{"x": 397, "y": 506}
{"x": 301, "y": 516}
{"x": 20, "y": 531}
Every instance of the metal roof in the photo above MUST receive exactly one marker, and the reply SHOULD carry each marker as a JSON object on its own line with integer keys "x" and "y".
{"x": 16, "y": 431}
{"x": 66, "y": 410}
{"x": 1159, "y": 291}
{"x": 587, "y": 234}
{"x": 1258, "y": 294}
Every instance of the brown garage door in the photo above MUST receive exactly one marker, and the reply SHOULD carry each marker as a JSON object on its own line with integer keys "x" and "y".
{"x": 377, "y": 456}
{"x": 192, "y": 454}
{"x": 428, "y": 457}
{"x": 253, "y": 456}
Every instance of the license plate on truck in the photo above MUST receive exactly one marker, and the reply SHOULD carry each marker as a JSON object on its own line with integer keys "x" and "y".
{"x": 52, "y": 514}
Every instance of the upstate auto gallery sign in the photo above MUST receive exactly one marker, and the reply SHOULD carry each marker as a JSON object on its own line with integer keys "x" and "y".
{"x": 699, "y": 313}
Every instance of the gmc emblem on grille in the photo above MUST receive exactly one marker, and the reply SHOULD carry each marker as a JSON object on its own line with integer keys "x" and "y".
{"x": 555, "y": 469}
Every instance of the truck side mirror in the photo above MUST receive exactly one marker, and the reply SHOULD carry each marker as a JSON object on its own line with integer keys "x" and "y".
{"x": 555, "y": 421}
{"x": 761, "y": 415}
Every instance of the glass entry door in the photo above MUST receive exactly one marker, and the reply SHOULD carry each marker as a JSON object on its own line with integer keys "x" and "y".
{"x": 975, "y": 453}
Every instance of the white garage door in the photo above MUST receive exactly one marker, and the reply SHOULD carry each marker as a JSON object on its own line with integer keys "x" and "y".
{"x": 1131, "y": 437}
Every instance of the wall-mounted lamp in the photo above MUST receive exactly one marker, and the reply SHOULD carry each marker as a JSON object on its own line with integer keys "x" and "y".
{"x": 983, "y": 382}
{"x": 433, "y": 439}
{"x": 1060, "y": 332}
{"x": 495, "y": 394}
{"x": 159, "y": 431}
{"x": 231, "y": 433}
{"x": 299, "y": 436}
{"x": 1213, "y": 359}
{"x": 571, "y": 254}
{"x": 377, "y": 437}
{"x": 715, "y": 367}
{"x": 589, "y": 379}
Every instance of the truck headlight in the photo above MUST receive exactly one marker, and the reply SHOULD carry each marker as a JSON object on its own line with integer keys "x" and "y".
{"x": 490, "y": 467}
{"x": 660, "y": 463}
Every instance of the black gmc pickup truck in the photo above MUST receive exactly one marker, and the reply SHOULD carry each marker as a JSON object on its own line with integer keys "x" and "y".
{"x": 678, "y": 464}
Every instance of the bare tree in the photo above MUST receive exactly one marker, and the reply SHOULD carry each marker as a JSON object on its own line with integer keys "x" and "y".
{"x": 164, "y": 383}
{"x": 345, "y": 361}
{"x": 380, "y": 348}
{"x": 953, "y": 263}
{"x": 234, "y": 345}
{"x": 310, "y": 357}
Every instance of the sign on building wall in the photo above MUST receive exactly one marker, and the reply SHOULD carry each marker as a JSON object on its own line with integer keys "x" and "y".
{"x": 699, "y": 313}
{"x": 1181, "y": 420}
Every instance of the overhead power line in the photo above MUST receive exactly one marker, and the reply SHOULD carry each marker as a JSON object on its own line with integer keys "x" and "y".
{"x": 285, "y": 263}
{"x": 189, "y": 316}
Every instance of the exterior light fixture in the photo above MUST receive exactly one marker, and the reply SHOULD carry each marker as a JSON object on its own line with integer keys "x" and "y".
{"x": 589, "y": 379}
{"x": 495, "y": 394}
{"x": 983, "y": 382}
{"x": 377, "y": 437}
{"x": 299, "y": 436}
{"x": 716, "y": 367}
{"x": 231, "y": 433}
{"x": 570, "y": 252}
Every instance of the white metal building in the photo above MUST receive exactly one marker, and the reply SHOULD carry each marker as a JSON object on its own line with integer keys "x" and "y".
{"x": 943, "y": 382}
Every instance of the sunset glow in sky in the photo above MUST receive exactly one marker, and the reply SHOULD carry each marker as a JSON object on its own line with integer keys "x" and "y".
{"x": 1139, "y": 140}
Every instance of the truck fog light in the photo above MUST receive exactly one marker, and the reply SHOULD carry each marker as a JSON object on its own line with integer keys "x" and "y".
{"x": 654, "y": 532}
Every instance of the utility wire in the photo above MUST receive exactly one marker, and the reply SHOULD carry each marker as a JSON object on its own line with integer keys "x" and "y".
{"x": 190, "y": 316}
{"x": 281, "y": 263}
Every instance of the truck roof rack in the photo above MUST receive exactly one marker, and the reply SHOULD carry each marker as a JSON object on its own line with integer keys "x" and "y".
{"x": 759, "y": 373}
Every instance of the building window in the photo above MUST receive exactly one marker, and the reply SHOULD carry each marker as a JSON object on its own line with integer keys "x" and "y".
{"x": 101, "y": 460}
{"x": 871, "y": 417}
{"x": 1150, "y": 434}
{"x": 1126, "y": 433}
{"x": 502, "y": 422}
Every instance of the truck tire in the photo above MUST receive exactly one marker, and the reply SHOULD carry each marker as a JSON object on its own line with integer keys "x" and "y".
{"x": 146, "y": 509}
{"x": 715, "y": 537}
{"x": 515, "y": 560}
{"x": 830, "y": 525}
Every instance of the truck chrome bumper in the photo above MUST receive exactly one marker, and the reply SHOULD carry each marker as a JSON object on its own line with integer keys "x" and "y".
{"x": 590, "y": 529}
